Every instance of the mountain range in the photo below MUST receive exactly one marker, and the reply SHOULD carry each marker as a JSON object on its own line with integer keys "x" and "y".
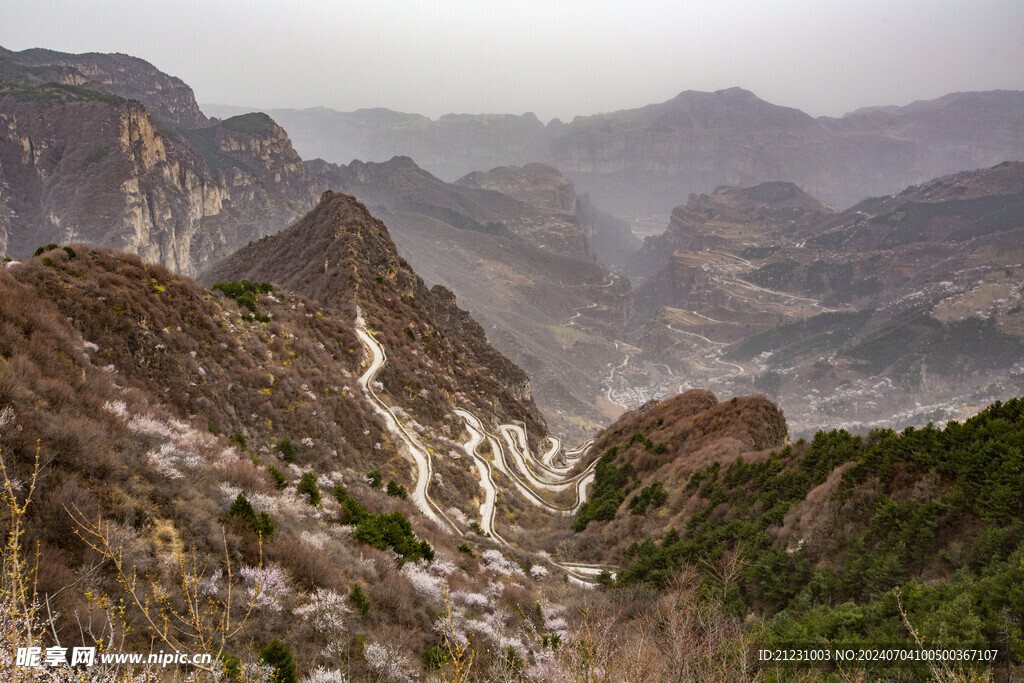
{"x": 310, "y": 459}
{"x": 642, "y": 162}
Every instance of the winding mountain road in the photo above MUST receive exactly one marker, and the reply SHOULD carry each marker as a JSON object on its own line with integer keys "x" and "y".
{"x": 418, "y": 454}
{"x": 514, "y": 462}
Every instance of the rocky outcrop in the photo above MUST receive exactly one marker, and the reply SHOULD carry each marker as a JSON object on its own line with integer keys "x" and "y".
{"x": 168, "y": 98}
{"x": 82, "y": 166}
{"x": 729, "y": 215}
{"x": 537, "y": 184}
{"x": 542, "y": 186}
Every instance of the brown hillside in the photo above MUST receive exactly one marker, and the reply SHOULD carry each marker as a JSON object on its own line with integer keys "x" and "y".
{"x": 343, "y": 258}
{"x": 664, "y": 444}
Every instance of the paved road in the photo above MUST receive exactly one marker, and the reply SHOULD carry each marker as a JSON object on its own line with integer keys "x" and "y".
{"x": 515, "y": 462}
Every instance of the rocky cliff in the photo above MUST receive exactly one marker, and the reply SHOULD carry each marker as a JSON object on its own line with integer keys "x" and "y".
{"x": 544, "y": 187}
{"x": 78, "y": 164}
{"x": 731, "y": 214}
{"x": 167, "y": 98}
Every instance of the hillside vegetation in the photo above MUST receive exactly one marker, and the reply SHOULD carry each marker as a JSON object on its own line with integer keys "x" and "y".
{"x": 830, "y": 538}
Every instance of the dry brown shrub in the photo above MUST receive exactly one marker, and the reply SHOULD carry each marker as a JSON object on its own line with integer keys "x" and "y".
{"x": 815, "y": 517}
{"x": 396, "y": 602}
{"x": 67, "y": 494}
{"x": 79, "y": 442}
{"x": 247, "y": 476}
{"x": 308, "y": 565}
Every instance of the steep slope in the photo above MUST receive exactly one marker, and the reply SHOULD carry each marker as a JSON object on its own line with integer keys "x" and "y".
{"x": 556, "y": 316}
{"x": 770, "y": 212}
{"x": 342, "y": 257}
{"x": 78, "y": 163}
{"x": 543, "y": 186}
{"x": 819, "y": 533}
{"x": 174, "y": 424}
{"x": 126, "y": 373}
{"x": 552, "y": 228}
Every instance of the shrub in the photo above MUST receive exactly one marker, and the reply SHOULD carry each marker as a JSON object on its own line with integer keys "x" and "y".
{"x": 286, "y": 449}
{"x": 340, "y": 494}
{"x": 393, "y": 531}
{"x": 650, "y": 496}
{"x": 375, "y": 478}
{"x": 261, "y": 523}
{"x": 397, "y": 490}
{"x": 307, "y": 486}
{"x": 70, "y": 252}
{"x": 512, "y": 663}
{"x": 232, "y": 667}
{"x": 239, "y": 438}
{"x": 607, "y": 494}
{"x": 354, "y": 512}
{"x": 359, "y": 599}
{"x": 279, "y": 479}
{"x": 277, "y": 655}
{"x": 464, "y": 548}
{"x": 245, "y": 292}
{"x": 48, "y": 262}
{"x": 41, "y": 250}
{"x": 434, "y": 658}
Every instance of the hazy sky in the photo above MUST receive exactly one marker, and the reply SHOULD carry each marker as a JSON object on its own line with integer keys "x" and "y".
{"x": 559, "y": 58}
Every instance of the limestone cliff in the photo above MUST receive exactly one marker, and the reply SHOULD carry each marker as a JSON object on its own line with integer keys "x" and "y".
{"x": 167, "y": 98}
{"x": 82, "y": 166}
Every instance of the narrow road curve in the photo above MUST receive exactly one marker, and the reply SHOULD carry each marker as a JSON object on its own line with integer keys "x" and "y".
{"x": 487, "y": 508}
{"x": 516, "y": 437}
{"x": 419, "y": 455}
{"x": 611, "y": 379}
{"x": 544, "y": 477}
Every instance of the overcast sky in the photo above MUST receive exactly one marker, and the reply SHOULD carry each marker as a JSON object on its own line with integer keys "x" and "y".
{"x": 557, "y": 59}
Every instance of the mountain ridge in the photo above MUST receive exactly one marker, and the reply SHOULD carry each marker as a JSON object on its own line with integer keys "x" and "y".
{"x": 869, "y": 152}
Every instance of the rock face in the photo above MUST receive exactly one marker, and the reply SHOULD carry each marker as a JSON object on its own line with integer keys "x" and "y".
{"x": 544, "y": 187}
{"x": 77, "y": 168}
{"x": 78, "y": 164}
{"x": 727, "y": 215}
{"x": 641, "y": 162}
{"x": 167, "y": 98}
